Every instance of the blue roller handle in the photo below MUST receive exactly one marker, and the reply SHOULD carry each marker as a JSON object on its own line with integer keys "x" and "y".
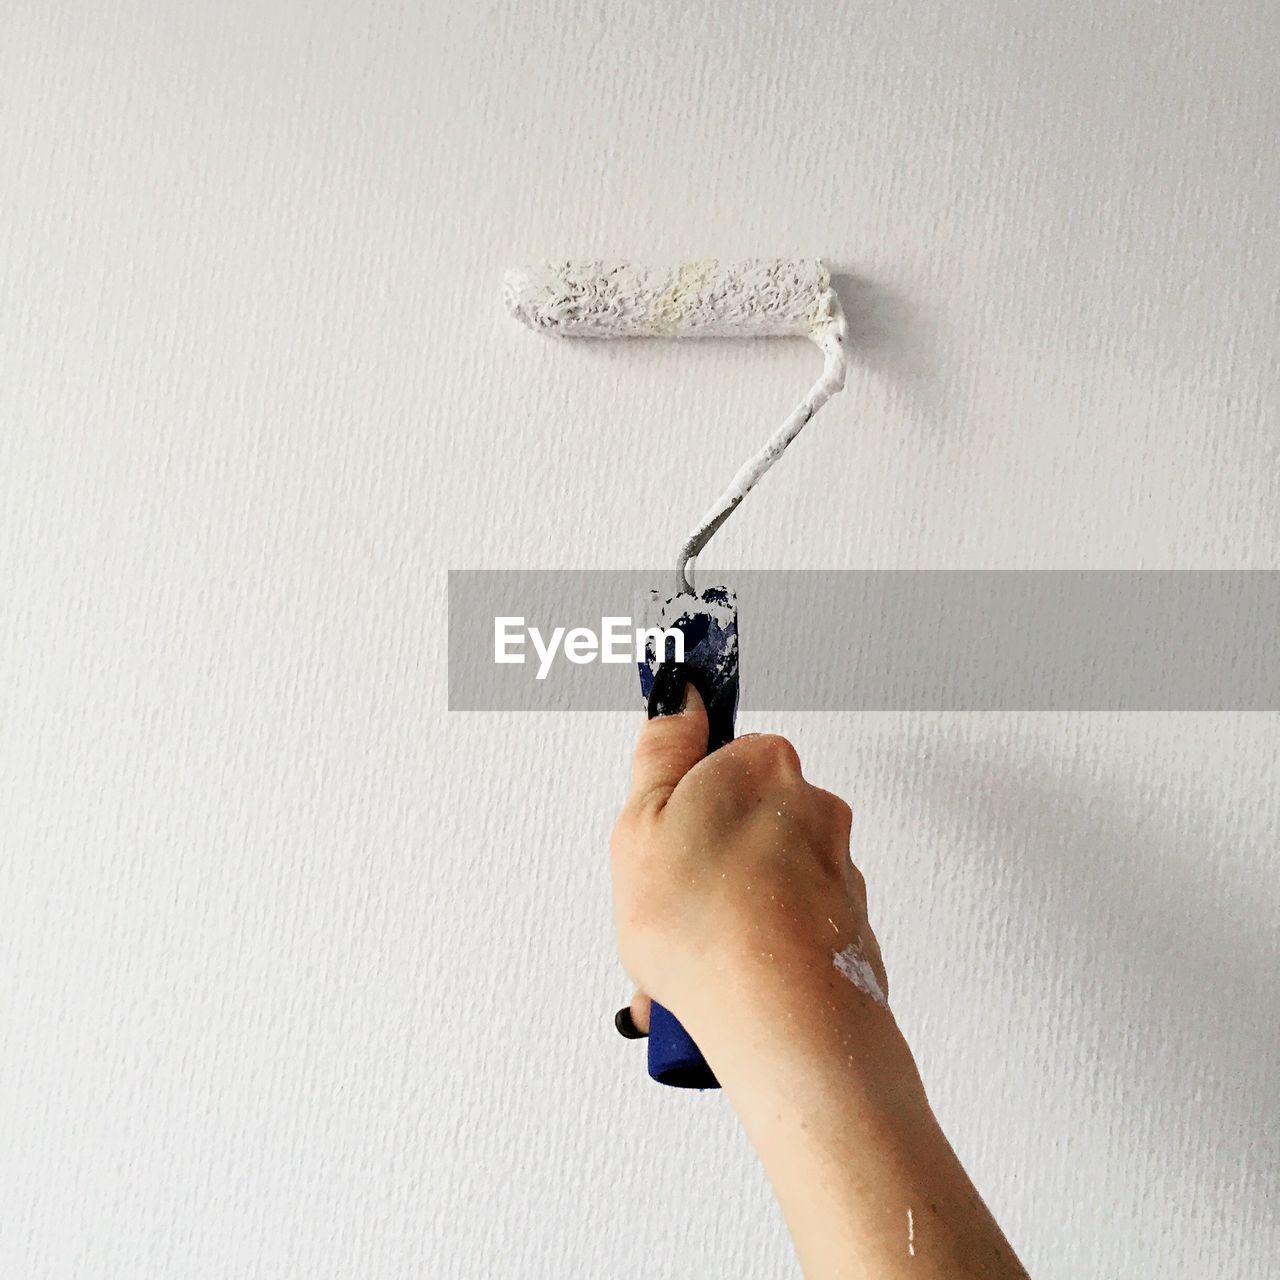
{"x": 711, "y": 658}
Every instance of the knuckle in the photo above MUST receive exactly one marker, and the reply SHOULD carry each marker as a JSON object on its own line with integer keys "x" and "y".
{"x": 645, "y": 803}
{"x": 857, "y": 880}
{"x": 651, "y": 750}
{"x": 773, "y": 751}
{"x": 833, "y": 809}
{"x": 662, "y": 735}
{"x": 841, "y": 811}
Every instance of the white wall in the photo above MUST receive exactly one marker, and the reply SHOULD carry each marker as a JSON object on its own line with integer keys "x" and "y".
{"x": 304, "y": 976}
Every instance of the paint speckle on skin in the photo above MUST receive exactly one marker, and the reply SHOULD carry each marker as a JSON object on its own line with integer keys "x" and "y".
{"x": 857, "y": 968}
{"x": 911, "y": 1235}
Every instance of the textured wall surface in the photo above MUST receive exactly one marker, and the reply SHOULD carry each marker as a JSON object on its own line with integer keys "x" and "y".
{"x": 305, "y": 976}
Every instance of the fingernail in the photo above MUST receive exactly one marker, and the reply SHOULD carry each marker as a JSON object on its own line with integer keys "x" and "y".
{"x": 670, "y": 690}
{"x": 626, "y": 1024}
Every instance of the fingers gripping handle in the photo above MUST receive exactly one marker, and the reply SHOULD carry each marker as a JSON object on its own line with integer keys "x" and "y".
{"x": 708, "y": 621}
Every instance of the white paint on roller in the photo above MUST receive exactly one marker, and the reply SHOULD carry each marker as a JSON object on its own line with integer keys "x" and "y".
{"x": 911, "y": 1235}
{"x": 756, "y": 298}
{"x": 857, "y": 968}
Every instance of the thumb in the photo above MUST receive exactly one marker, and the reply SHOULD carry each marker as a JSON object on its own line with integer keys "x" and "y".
{"x": 671, "y": 742}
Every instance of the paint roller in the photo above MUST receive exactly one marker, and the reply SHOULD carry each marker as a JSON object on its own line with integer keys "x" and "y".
{"x": 757, "y": 298}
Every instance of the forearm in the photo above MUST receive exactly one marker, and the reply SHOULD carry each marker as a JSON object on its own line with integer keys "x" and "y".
{"x": 735, "y": 898}
{"x": 829, "y": 1095}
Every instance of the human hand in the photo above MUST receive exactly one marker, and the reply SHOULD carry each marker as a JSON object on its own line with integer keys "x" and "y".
{"x": 731, "y": 870}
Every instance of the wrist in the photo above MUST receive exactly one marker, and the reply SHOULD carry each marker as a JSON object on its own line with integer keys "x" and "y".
{"x": 771, "y": 1022}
